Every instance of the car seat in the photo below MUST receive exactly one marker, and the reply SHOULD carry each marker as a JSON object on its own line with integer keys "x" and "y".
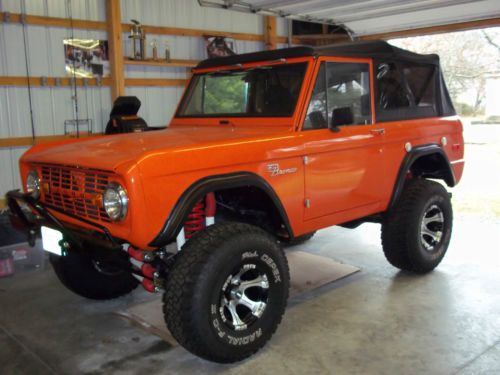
{"x": 123, "y": 117}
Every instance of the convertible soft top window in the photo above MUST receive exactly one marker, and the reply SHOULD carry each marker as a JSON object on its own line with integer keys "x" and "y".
{"x": 267, "y": 91}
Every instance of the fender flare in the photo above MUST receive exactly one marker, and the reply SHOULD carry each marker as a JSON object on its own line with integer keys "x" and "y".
{"x": 410, "y": 158}
{"x": 200, "y": 188}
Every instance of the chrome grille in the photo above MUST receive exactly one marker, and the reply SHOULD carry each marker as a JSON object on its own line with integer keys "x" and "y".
{"x": 75, "y": 191}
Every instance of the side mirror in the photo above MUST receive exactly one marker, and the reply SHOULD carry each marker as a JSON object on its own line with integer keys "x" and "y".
{"x": 341, "y": 116}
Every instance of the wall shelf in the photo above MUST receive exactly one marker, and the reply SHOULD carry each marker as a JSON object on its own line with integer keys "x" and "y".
{"x": 174, "y": 63}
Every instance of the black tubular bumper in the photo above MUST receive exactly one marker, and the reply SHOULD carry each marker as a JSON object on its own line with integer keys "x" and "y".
{"x": 76, "y": 238}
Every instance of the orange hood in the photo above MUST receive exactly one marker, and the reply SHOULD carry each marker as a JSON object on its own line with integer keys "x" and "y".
{"x": 194, "y": 143}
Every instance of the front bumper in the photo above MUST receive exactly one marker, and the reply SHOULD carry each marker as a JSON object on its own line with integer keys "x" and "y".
{"x": 74, "y": 238}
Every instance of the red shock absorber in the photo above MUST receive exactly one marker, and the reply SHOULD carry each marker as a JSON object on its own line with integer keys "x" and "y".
{"x": 210, "y": 208}
{"x": 196, "y": 219}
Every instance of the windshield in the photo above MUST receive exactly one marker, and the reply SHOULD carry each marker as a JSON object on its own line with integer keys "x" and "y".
{"x": 267, "y": 91}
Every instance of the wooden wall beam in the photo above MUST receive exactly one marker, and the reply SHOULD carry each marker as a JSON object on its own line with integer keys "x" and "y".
{"x": 115, "y": 43}
{"x": 49, "y": 81}
{"x": 29, "y": 141}
{"x": 154, "y": 82}
{"x": 460, "y": 26}
{"x": 175, "y": 63}
{"x": 321, "y": 39}
{"x": 284, "y": 40}
{"x": 66, "y": 82}
{"x": 57, "y": 22}
{"x": 160, "y": 30}
{"x": 179, "y": 31}
{"x": 270, "y": 39}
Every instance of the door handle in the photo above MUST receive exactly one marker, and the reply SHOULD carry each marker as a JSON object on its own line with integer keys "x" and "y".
{"x": 379, "y": 131}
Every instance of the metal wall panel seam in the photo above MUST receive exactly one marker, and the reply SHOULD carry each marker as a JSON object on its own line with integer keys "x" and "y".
{"x": 6, "y": 164}
{"x": 187, "y": 13}
{"x": 50, "y": 47}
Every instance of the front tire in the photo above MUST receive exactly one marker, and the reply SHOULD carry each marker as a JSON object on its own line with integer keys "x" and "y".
{"x": 416, "y": 234}
{"x": 92, "y": 279}
{"x": 227, "y": 292}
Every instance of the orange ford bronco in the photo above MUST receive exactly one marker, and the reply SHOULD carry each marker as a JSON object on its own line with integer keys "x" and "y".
{"x": 264, "y": 149}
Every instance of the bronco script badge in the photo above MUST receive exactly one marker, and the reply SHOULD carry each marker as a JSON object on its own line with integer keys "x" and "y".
{"x": 275, "y": 170}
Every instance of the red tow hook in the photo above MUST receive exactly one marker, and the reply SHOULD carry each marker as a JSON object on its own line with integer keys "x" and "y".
{"x": 148, "y": 271}
{"x": 142, "y": 256}
{"x": 138, "y": 259}
{"x": 147, "y": 284}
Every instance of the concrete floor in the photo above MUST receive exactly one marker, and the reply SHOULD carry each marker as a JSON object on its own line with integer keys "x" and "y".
{"x": 379, "y": 321}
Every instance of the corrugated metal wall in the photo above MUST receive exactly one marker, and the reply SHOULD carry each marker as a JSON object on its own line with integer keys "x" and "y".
{"x": 51, "y": 106}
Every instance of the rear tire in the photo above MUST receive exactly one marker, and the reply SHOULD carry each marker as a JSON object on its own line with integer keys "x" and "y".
{"x": 227, "y": 292}
{"x": 417, "y": 232}
{"x": 91, "y": 279}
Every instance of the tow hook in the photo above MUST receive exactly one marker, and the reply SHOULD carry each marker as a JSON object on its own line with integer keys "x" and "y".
{"x": 32, "y": 237}
{"x": 147, "y": 268}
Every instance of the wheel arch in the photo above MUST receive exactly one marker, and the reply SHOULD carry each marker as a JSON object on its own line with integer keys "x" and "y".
{"x": 426, "y": 161}
{"x": 209, "y": 184}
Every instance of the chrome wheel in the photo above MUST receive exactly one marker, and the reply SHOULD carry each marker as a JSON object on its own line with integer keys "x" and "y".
{"x": 431, "y": 228}
{"x": 244, "y": 297}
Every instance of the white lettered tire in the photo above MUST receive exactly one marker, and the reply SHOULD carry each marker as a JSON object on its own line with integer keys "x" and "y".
{"x": 227, "y": 292}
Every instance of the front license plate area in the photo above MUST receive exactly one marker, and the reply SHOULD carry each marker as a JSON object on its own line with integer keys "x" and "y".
{"x": 51, "y": 239}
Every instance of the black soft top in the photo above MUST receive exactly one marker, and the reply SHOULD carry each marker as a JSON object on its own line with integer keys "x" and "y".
{"x": 376, "y": 49}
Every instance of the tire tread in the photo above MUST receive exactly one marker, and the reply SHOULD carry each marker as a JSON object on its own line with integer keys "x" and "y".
{"x": 178, "y": 312}
{"x": 395, "y": 228}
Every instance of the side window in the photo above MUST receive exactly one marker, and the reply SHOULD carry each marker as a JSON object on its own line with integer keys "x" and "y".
{"x": 348, "y": 93}
{"x": 341, "y": 96}
{"x": 422, "y": 84}
{"x": 316, "y": 112}
{"x": 405, "y": 91}
{"x": 391, "y": 91}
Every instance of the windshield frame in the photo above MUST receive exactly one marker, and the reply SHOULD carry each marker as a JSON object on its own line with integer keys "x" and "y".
{"x": 242, "y": 67}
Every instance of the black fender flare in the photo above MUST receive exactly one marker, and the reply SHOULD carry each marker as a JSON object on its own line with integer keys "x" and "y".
{"x": 410, "y": 158}
{"x": 200, "y": 188}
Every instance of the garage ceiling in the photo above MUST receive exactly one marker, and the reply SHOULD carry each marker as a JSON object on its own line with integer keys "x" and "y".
{"x": 366, "y": 17}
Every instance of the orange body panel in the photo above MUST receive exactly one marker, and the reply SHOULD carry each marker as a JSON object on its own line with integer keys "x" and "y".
{"x": 347, "y": 175}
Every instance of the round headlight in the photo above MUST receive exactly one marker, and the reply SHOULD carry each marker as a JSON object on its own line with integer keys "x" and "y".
{"x": 115, "y": 201}
{"x": 33, "y": 184}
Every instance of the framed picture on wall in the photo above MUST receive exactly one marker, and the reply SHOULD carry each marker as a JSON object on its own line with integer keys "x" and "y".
{"x": 219, "y": 46}
{"x": 86, "y": 58}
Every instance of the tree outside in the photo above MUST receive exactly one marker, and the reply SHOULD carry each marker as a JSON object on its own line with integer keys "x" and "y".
{"x": 468, "y": 58}
{"x": 471, "y": 64}
{"x": 225, "y": 94}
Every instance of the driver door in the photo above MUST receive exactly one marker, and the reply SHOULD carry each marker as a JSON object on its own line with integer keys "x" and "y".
{"x": 344, "y": 149}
